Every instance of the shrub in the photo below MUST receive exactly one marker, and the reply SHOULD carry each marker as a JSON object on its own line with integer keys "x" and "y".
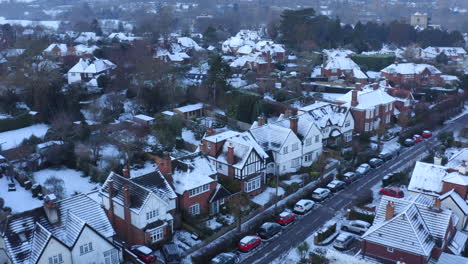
{"x": 318, "y": 257}
{"x": 20, "y": 121}
{"x": 325, "y": 233}
{"x": 353, "y": 214}
{"x": 230, "y": 184}
{"x": 303, "y": 249}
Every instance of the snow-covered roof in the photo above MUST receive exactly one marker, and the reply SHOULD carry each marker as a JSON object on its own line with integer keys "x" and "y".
{"x": 82, "y": 49}
{"x": 221, "y": 136}
{"x": 27, "y": 234}
{"x": 188, "y": 43}
{"x": 432, "y": 52}
{"x": 458, "y": 242}
{"x": 446, "y": 258}
{"x": 144, "y": 117}
{"x": 449, "y": 78}
{"x": 123, "y": 36}
{"x": 427, "y": 178}
{"x": 337, "y": 52}
{"x": 93, "y": 65}
{"x": 192, "y": 171}
{"x": 410, "y": 68}
{"x": 62, "y": 47}
{"x": 340, "y": 63}
{"x": 305, "y": 123}
{"x": 326, "y": 114}
{"x": 415, "y": 226}
{"x": 243, "y": 144}
{"x": 271, "y": 136}
{"x": 368, "y": 98}
{"x": 457, "y": 159}
{"x": 456, "y": 199}
{"x": 84, "y": 37}
{"x": 190, "y": 108}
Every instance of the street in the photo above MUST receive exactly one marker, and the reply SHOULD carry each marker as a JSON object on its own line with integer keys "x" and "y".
{"x": 292, "y": 236}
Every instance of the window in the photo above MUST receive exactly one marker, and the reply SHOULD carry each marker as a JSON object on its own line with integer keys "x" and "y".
{"x": 56, "y": 259}
{"x": 295, "y": 162}
{"x": 86, "y": 248}
{"x": 347, "y": 124}
{"x": 194, "y": 209}
{"x": 253, "y": 184}
{"x": 157, "y": 235}
{"x": 317, "y": 139}
{"x": 366, "y": 127}
{"x": 377, "y": 110}
{"x": 111, "y": 256}
{"x": 308, "y": 141}
{"x": 221, "y": 201}
{"x": 308, "y": 157}
{"x": 198, "y": 190}
{"x": 220, "y": 166}
{"x": 285, "y": 150}
{"x": 348, "y": 136}
{"x": 295, "y": 147}
{"x": 387, "y": 120}
{"x": 390, "y": 249}
{"x": 152, "y": 214}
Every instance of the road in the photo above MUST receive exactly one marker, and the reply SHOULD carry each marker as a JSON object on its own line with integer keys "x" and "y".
{"x": 292, "y": 236}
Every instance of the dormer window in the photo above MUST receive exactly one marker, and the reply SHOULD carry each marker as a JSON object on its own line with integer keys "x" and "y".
{"x": 152, "y": 214}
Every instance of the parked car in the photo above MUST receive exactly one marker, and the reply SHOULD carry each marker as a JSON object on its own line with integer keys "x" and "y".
{"x": 225, "y": 258}
{"x": 349, "y": 177}
{"x": 303, "y": 206}
{"x": 286, "y": 218}
{"x": 426, "y": 134}
{"x": 363, "y": 169}
{"x": 409, "y": 142}
{"x": 336, "y": 185}
{"x": 356, "y": 226}
{"x": 392, "y": 191}
{"x": 248, "y": 243}
{"x": 171, "y": 253}
{"x": 343, "y": 241}
{"x": 320, "y": 194}
{"x": 417, "y": 138}
{"x": 11, "y": 187}
{"x": 144, "y": 253}
{"x": 269, "y": 230}
{"x": 385, "y": 156}
{"x": 375, "y": 162}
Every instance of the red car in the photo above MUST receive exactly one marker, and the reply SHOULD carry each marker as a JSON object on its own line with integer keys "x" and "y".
{"x": 417, "y": 138}
{"x": 426, "y": 134}
{"x": 286, "y": 218}
{"x": 393, "y": 192}
{"x": 144, "y": 253}
{"x": 248, "y": 243}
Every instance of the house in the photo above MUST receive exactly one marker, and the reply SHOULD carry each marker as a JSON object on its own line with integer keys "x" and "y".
{"x": 144, "y": 120}
{"x": 73, "y": 230}
{"x": 86, "y": 37}
{"x": 446, "y": 258}
{"x": 122, "y": 37}
{"x": 371, "y": 107}
{"x": 419, "y": 20}
{"x": 141, "y": 209}
{"x": 337, "y": 66}
{"x": 413, "y": 230}
{"x": 192, "y": 111}
{"x": 291, "y": 142}
{"x": 88, "y": 70}
{"x": 412, "y": 75}
{"x": 237, "y": 156}
{"x": 453, "y": 201}
{"x": 403, "y": 100}
{"x": 195, "y": 182}
{"x": 336, "y": 123}
{"x": 58, "y": 50}
{"x": 453, "y": 53}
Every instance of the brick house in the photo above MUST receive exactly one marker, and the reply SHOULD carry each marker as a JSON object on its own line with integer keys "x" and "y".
{"x": 412, "y": 75}
{"x": 453, "y": 53}
{"x": 237, "y": 156}
{"x": 371, "y": 107}
{"x": 195, "y": 182}
{"x": 141, "y": 209}
{"x": 413, "y": 230}
{"x": 337, "y": 66}
{"x": 403, "y": 100}
{"x": 59, "y": 50}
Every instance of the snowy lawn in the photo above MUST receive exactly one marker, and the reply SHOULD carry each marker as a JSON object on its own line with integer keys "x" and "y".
{"x": 148, "y": 167}
{"x": 267, "y": 195}
{"x": 11, "y": 139}
{"x": 297, "y": 178}
{"x": 391, "y": 146}
{"x": 74, "y": 182}
{"x": 189, "y": 136}
{"x": 184, "y": 240}
{"x": 213, "y": 224}
{"x": 18, "y": 201}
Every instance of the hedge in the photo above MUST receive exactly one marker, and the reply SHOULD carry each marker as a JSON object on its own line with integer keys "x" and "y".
{"x": 356, "y": 215}
{"x": 324, "y": 234}
{"x": 20, "y": 121}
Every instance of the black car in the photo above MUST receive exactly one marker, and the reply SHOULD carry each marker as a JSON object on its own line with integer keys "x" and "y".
{"x": 171, "y": 253}
{"x": 225, "y": 258}
{"x": 409, "y": 142}
{"x": 385, "y": 156}
{"x": 375, "y": 162}
{"x": 269, "y": 230}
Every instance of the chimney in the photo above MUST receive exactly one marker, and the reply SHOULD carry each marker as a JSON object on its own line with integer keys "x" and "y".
{"x": 293, "y": 123}
{"x": 126, "y": 172}
{"x": 165, "y": 164}
{"x": 354, "y": 100}
{"x": 110, "y": 212}
{"x": 437, "y": 203}
{"x": 462, "y": 169}
{"x": 211, "y": 131}
{"x": 203, "y": 147}
{"x": 389, "y": 210}
{"x": 375, "y": 86}
{"x": 50, "y": 208}
{"x": 230, "y": 154}
{"x": 261, "y": 120}
{"x": 287, "y": 113}
{"x": 437, "y": 159}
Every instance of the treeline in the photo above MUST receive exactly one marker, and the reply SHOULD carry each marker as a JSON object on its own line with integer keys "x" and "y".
{"x": 304, "y": 30}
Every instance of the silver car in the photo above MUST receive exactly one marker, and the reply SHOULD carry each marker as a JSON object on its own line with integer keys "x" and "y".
{"x": 356, "y": 226}
{"x": 343, "y": 241}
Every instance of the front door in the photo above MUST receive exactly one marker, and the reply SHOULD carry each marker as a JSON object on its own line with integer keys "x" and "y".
{"x": 215, "y": 207}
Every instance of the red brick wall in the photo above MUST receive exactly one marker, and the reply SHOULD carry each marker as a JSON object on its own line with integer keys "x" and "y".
{"x": 185, "y": 201}
{"x": 134, "y": 236}
{"x": 379, "y": 251}
{"x": 461, "y": 190}
{"x": 418, "y": 79}
{"x": 360, "y": 118}
{"x": 215, "y": 147}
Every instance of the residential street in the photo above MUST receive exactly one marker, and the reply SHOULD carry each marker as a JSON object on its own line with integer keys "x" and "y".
{"x": 297, "y": 233}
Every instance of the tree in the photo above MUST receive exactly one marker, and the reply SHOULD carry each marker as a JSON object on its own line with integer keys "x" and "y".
{"x": 167, "y": 130}
{"x": 218, "y": 75}
{"x": 56, "y": 186}
{"x": 303, "y": 249}
{"x": 442, "y": 58}
{"x": 96, "y": 28}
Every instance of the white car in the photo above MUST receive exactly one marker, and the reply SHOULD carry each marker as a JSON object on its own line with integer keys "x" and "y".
{"x": 356, "y": 226}
{"x": 303, "y": 206}
{"x": 343, "y": 241}
{"x": 363, "y": 169}
{"x": 320, "y": 194}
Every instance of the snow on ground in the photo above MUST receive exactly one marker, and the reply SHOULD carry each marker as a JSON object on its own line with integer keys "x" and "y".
{"x": 11, "y": 139}
{"x": 110, "y": 151}
{"x": 189, "y": 136}
{"x": 53, "y": 24}
{"x": 267, "y": 195}
{"x": 337, "y": 257}
{"x": 449, "y": 152}
{"x": 213, "y": 224}
{"x": 19, "y": 201}
{"x": 4, "y": 116}
{"x": 391, "y": 146}
{"x": 297, "y": 178}
{"x": 74, "y": 181}
{"x": 464, "y": 112}
{"x": 184, "y": 240}
{"x": 148, "y": 167}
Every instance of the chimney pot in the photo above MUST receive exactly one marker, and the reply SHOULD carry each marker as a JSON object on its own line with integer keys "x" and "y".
{"x": 50, "y": 208}
{"x": 261, "y": 120}
{"x": 293, "y": 124}
{"x": 126, "y": 172}
{"x": 437, "y": 160}
{"x": 437, "y": 203}
{"x": 354, "y": 98}
{"x": 389, "y": 210}
{"x": 230, "y": 154}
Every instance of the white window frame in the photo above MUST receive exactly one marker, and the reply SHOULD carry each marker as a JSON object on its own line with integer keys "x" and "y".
{"x": 111, "y": 256}
{"x": 377, "y": 110}
{"x": 194, "y": 209}
{"x": 157, "y": 235}
{"x": 317, "y": 138}
{"x": 308, "y": 157}
{"x": 285, "y": 150}
{"x": 56, "y": 259}
{"x": 390, "y": 249}
{"x": 253, "y": 184}
{"x": 295, "y": 147}
{"x": 348, "y": 123}
{"x": 308, "y": 141}
{"x": 366, "y": 127}
{"x": 295, "y": 162}
{"x": 86, "y": 248}
{"x": 199, "y": 190}
{"x": 152, "y": 214}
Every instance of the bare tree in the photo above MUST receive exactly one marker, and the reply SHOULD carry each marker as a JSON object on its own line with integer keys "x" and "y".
{"x": 56, "y": 186}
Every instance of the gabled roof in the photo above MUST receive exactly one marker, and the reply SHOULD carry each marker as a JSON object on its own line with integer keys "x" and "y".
{"x": 456, "y": 160}
{"x": 368, "y": 98}
{"x": 271, "y": 136}
{"x": 305, "y": 123}
{"x": 219, "y": 193}
{"x": 447, "y": 258}
{"x": 416, "y": 226}
{"x": 326, "y": 114}
{"x": 26, "y": 234}
{"x": 243, "y": 145}
{"x": 156, "y": 182}
{"x": 409, "y": 68}
{"x": 192, "y": 171}
{"x": 457, "y": 199}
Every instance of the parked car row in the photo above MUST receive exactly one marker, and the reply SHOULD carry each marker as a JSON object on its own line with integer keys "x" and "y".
{"x": 170, "y": 252}
{"x": 417, "y": 138}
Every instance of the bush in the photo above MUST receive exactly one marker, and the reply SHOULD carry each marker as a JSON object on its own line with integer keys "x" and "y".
{"x": 318, "y": 257}
{"x": 356, "y": 215}
{"x": 20, "y": 121}
{"x": 230, "y": 184}
{"x": 324, "y": 234}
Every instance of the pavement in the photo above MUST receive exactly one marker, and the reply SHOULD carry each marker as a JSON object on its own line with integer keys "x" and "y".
{"x": 306, "y": 225}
